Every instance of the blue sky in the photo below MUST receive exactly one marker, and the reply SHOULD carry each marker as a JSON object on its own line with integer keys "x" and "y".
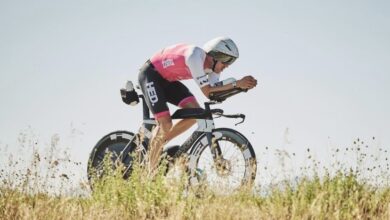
{"x": 322, "y": 66}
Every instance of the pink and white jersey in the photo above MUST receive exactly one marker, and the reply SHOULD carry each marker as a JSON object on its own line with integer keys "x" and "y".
{"x": 183, "y": 61}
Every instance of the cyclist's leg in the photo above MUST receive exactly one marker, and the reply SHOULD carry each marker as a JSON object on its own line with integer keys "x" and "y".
{"x": 164, "y": 126}
{"x": 180, "y": 95}
{"x": 152, "y": 86}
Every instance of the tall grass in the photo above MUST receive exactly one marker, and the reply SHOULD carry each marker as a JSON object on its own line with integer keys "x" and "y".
{"x": 343, "y": 194}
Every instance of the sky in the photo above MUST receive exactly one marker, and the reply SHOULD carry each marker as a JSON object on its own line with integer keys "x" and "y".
{"x": 322, "y": 67}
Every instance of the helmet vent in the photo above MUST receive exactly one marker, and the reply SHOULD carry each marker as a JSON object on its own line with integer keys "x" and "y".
{"x": 228, "y": 47}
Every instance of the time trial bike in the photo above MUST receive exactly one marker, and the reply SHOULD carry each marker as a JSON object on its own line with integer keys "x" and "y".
{"x": 215, "y": 156}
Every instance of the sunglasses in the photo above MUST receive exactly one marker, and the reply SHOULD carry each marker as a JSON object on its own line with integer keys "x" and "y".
{"x": 229, "y": 60}
{"x": 223, "y": 58}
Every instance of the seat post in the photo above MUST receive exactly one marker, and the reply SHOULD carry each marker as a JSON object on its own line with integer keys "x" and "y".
{"x": 145, "y": 108}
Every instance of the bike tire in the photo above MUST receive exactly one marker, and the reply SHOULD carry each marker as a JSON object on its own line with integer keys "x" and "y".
{"x": 113, "y": 143}
{"x": 238, "y": 141}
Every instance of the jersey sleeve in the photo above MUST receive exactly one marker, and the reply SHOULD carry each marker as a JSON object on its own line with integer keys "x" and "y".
{"x": 195, "y": 62}
{"x": 213, "y": 78}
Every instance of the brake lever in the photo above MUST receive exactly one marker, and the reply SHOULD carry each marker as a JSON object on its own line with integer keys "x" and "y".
{"x": 242, "y": 116}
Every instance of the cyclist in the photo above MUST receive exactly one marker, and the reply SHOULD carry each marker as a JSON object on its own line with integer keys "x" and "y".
{"x": 160, "y": 77}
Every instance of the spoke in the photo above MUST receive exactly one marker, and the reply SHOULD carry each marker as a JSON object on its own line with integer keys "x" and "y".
{"x": 228, "y": 151}
{"x": 224, "y": 147}
{"x": 100, "y": 157}
{"x": 232, "y": 173}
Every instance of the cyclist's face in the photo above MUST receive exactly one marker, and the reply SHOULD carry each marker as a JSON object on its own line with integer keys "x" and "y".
{"x": 219, "y": 67}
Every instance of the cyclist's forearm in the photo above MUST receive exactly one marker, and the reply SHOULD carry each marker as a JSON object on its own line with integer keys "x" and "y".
{"x": 209, "y": 89}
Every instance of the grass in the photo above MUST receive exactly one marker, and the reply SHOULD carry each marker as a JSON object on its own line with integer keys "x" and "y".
{"x": 337, "y": 197}
{"x": 343, "y": 194}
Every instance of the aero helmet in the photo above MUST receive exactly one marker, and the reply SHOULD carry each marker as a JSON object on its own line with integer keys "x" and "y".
{"x": 222, "y": 49}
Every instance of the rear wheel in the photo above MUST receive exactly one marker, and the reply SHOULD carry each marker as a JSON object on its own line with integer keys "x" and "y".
{"x": 234, "y": 166}
{"x": 111, "y": 149}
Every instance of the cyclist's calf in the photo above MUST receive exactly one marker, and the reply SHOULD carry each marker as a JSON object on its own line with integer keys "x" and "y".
{"x": 165, "y": 124}
{"x": 157, "y": 142}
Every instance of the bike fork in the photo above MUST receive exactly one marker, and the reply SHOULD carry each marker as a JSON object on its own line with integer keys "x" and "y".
{"x": 207, "y": 126}
{"x": 214, "y": 147}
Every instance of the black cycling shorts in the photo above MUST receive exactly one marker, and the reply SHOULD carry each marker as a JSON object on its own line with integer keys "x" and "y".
{"x": 158, "y": 91}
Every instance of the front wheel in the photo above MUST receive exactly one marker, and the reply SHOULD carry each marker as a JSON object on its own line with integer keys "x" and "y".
{"x": 234, "y": 166}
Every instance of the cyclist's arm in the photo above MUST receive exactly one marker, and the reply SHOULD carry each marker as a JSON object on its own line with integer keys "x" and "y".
{"x": 195, "y": 62}
{"x": 246, "y": 83}
{"x": 210, "y": 89}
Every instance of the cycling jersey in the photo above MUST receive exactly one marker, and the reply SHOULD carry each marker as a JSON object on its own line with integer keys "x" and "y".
{"x": 159, "y": 77}
{"x": 183, "y": 61}
{"x": 158, "y": 91}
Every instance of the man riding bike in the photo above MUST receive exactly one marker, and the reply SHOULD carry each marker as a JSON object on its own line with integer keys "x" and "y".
{"x": 160, "y": 76}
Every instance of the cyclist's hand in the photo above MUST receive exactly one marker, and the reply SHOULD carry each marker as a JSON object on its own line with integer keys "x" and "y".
{"x": 247, "y": 82}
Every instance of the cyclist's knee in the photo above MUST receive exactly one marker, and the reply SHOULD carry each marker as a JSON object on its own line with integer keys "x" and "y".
{"x": 166, "y": 127}
{"x": 165, "y": 124}
{"x": 192, "y": 104}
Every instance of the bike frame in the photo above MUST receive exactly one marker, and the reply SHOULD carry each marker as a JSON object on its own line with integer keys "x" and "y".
{"x": 205, "y": 126}
{"x": 200, "y": 139}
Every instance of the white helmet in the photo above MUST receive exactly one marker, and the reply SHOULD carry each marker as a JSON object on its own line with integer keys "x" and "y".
{"x": 222, "y": 49}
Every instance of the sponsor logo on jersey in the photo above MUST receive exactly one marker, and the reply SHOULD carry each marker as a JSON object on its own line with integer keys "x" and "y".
{"x": 151, "y": 92}
{"x": 202, "y": 80}
{"x": 167, "y": 63}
